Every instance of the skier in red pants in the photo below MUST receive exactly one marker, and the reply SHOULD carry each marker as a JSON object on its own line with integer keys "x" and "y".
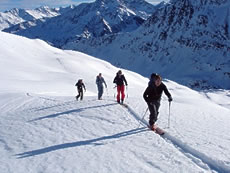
{"x": 120, "y": 80}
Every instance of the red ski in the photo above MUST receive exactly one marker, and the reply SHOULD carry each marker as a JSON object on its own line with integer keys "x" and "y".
{"x": 157, "y": 130}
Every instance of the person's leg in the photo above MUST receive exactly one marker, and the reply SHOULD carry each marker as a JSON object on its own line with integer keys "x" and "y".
{"x": 78, "y": 94}
{"x": 118, "y": 93}
{"x": 157, "y": 106}
{"x": 122, "y": 93}
{"x": 153, "y": 108}
{"x": 100, "y": 92}
{"x": 81, "y": 93}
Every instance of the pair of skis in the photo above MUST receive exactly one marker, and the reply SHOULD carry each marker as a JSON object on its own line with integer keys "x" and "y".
{"x": 123, "y": 104}
{"x": 155, "y": 128}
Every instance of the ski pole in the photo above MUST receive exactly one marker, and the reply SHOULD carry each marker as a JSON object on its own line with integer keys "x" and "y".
{"x": 114, "y": 91}
{"x": 127, "y": 91}
{"x": 169, "y": 115}
{"x": 107, "y": 92}
{"x": 143, "y": 117}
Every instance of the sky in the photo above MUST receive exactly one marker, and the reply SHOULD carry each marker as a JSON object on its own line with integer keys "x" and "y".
{"x": 31, "y": 4}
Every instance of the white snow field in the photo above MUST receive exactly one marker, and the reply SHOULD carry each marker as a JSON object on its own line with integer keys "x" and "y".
{"x": 43, "y": 129}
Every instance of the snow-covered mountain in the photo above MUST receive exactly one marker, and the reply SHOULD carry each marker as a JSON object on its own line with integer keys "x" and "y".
{"x": 16, "y": 16}
{"x": 184, "y": 40}
{"x": 39, "y": 63}
{"x": 187, "y": 41}
{"x": 89, "y": 20}
{"x": 44, "y": 129}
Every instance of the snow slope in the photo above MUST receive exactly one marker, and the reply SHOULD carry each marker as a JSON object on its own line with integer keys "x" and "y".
{"x": 39, "y": 63}
{"x": 44, "y": 129}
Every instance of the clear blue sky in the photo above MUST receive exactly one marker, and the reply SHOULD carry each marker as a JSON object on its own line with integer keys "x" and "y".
{"x": 31, "y": 4}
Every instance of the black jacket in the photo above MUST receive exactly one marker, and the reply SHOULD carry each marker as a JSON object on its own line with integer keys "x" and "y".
{"x": 80, "y": 86}
{"x": 119, "y": 80}
{"x": 154, "y": 93}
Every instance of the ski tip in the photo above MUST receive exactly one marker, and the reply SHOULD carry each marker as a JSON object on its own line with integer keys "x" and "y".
{"x": 157, "y": 130}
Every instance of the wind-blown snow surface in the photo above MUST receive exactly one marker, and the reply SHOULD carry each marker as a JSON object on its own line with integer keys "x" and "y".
{"x": 44, "y": 129}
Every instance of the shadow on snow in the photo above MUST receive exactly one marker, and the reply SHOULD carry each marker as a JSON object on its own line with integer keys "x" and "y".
{"x": 80, "y": 143}
{"x": 71, "y": 111}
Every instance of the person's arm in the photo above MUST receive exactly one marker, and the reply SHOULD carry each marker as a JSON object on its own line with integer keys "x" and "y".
{"x": 167, "y": 93}
{"x": 84, "y": 86}
{"x": 115, "y": 80}
{"x": 104, "y": 82}
{"x": 146, "y": 94}
{"x": 125, "y": 80}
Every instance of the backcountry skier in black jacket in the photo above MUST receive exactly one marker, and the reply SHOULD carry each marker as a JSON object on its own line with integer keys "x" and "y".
{"x": 80, "y": 85}
{"x": 152, "y": 96}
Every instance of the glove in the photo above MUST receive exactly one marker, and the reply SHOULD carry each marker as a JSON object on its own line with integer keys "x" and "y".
{"x": 170, "y": 99}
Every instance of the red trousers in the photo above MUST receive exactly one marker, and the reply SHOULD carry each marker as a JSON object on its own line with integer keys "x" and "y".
{"x": 120, "y": 90}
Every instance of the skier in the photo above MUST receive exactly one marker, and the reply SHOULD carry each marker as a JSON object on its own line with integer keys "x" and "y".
{"x": 80, "y": 85}
{"x": 99, "y": 81}
{"x": 152, "y": 96}
{"x": 119, "y": 80}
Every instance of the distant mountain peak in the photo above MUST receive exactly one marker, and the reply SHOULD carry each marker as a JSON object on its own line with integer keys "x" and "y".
{"x": 17, "y": 15}
{"x": 201, "y": 2}
{"x": 120, "y": 1}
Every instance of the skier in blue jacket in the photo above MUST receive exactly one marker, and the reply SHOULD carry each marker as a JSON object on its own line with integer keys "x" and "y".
{"x": 99, "y": 81}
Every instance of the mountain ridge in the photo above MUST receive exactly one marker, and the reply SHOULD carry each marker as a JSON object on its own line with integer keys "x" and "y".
{"x": 16, "y": 16}
{"x": 87, "y": 20}
{"x": 186, "y": 41}
{"x": 180, "y": 37}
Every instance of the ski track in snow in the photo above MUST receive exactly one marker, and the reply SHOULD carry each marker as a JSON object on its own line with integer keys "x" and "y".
{"x": 47, "y": 104}
{"x": 200, "y": 159}
{"x": 51, "y": 132}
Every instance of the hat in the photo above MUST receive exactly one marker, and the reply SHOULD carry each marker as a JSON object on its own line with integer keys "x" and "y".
{"x": 153, "y": 75}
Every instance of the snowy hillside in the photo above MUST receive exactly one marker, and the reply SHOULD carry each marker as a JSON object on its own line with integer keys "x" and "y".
{"x": 44, "y": 129}
{"x": 39, "y": 63}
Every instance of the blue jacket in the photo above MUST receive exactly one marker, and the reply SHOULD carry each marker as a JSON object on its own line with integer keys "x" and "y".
{"x": 100, "y": 81}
